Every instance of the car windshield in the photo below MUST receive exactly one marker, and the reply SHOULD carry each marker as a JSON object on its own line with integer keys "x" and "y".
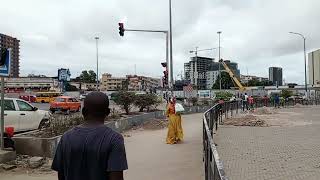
{"x": 60, "y": 100}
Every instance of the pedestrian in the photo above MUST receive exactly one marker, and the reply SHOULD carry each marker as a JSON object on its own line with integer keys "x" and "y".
{"x": 245, "y": 102}
{"x": 91, "y": 151}
{"x": 251, "y": 102}
{"x": 175, "y": 131}
{"x": 277, "y": 101}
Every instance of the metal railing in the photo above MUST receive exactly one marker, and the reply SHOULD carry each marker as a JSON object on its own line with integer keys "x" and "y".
{"x": 213, "y": 117}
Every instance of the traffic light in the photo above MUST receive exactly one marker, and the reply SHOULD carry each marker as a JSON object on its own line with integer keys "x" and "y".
{"x": 164, "y": 64}
{"x": 3, "y": 56}
{"x": 121, "y": 29}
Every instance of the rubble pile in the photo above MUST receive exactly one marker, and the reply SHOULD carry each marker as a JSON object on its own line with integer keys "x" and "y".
{"x": 264, "y": 111}
{"x": 247, "y": 120}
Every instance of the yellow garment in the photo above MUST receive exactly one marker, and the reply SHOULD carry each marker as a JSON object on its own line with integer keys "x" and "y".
{"x": 175, "y": 131}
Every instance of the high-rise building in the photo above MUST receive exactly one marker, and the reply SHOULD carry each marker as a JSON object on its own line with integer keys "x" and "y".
{"x": 195, "y": 71}
{"x": 275, "y": 75}
{"x": 314, "y": 67}
{"x": 13, "y": 43}
{"x": 203, "y": 72}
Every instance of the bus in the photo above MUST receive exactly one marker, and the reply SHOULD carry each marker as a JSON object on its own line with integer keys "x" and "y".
{"x": 46, "y": 97}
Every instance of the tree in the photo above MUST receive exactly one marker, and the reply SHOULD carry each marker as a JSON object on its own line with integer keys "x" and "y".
{"x": 286, "y": 93}
{"x": 255, "y": 82}
{"x": 87, "y": 77}
{"x": 145, "y": 101}
{"x": 226, "y": 81}
{"x": 70, "y": 87}
{"x": 225, "y": 95}
{"x": 125, "y": 99}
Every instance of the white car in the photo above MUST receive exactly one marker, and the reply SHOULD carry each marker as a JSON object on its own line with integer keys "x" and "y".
{"x": 23, "y": 116}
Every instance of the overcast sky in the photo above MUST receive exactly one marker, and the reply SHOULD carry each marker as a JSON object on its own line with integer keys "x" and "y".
{"x": 60, "y": 34}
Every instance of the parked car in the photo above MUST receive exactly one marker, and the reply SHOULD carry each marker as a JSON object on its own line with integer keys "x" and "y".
{"x": 66, "y": 104}
{"x": 28, "y": 98}
{"x": 23, "y": 116}
{"x": 83, "y": 96}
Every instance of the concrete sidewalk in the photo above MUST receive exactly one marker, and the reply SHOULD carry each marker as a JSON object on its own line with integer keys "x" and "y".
{"x": 150, "y": 158}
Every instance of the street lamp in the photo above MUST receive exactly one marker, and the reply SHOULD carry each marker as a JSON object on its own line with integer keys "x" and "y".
{"x": 97, "y": 38}
{"x": 305, "y": 59}
{"x": 170, "y": 39}
{"x": 219, "y": 33}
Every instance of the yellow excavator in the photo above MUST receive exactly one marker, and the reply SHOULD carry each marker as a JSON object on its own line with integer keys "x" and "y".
{"x": 233, "y": 77}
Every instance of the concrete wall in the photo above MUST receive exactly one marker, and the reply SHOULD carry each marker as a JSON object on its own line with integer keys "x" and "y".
{"x": 46, "y": 146}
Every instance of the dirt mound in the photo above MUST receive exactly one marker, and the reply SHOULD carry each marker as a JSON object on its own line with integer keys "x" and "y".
{"x": 155, "y": 124}
{"x": 247, "y": 120}
{"x": 263, "y": 111}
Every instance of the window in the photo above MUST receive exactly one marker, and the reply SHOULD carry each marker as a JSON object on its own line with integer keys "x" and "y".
{"x": 9, "y": 105}
{"x": 60, "y": 100}
{"x": 70, "y": 100}
{"x": 74, "y": 100}
{"x": 23, "y": 106}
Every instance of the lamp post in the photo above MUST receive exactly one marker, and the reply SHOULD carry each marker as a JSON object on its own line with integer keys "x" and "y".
{"x": 305, "y": 59}
{"x": 170, "y": 41}
{"x": 97, "y": 38}
{"x": 219, "y": 33}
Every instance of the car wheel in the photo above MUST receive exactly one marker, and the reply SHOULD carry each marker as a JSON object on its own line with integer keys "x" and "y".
{"x": 45, "y": 123}
{"x": 53, "y": 111}
{"x": 79, "y": 108}
{"x": 42, "y": 101}
{"x": 67, "y": 111}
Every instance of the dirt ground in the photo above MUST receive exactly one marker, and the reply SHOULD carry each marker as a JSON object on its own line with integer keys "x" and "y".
{"x": 148, "y": 155}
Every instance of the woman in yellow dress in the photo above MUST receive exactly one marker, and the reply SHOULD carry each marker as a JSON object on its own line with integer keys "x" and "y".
{"x": 175, "y": 131}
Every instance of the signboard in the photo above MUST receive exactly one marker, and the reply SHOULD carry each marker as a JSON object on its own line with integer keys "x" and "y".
{"x": 64, "y": 75}
{"x": 5, "y": 62}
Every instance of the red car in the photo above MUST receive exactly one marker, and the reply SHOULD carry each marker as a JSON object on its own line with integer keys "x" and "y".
{"x": 66, "y": 104}
{"x": 28, "y": 98}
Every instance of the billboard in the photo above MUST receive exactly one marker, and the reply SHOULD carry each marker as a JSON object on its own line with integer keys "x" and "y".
{"x": 64, "y": 74}
{"x": 5, "y": 62}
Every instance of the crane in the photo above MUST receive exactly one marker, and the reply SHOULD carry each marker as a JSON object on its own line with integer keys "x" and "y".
{"x": 233, "y": 77}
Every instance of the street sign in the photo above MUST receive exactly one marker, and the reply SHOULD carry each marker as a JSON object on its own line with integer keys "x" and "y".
{"x": 5, "y": 62}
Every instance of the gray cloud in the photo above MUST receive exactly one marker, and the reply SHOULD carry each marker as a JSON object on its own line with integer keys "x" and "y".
{"x": 60, "y": 33}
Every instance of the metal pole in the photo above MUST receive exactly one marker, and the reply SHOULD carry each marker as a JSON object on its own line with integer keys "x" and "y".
{"x": 2, "y": 113}
{"x": 97, "y": 38}
{"x": 219, "y": 62}
{"x": 171, "y": 59}
{"x": 305, "y": 66}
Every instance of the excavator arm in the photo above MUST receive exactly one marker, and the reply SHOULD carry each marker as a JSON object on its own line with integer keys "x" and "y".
{"x": 232, "y": 75}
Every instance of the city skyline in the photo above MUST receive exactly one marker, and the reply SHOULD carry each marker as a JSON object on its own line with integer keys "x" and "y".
{"x": 250, "y": 34}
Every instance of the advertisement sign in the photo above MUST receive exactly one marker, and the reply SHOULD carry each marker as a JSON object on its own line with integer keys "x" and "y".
{"x": 5, "y": 59}
{"x": 64, "y": 74}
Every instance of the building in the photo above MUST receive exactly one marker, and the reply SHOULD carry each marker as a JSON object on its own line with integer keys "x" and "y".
{"x": 85, "y": 86}
{"x": 109, "y": 83}
{"x": 142, "y": 83}
{"x": 13, "y": 43}
{"x": 195, "y": 71}
{"x": 246, "y": 78}
{"x": 314, "y": 67}
{"x": 24, "y": 84}
{"x": 212, "y": 77}
{"x": 275, "y": 76}
{"x": 203, "y": 72}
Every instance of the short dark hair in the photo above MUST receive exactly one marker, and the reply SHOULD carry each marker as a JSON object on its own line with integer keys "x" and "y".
{"x": 96, "y": 105}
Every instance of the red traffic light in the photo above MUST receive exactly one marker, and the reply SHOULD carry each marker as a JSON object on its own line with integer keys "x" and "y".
{"x": 121, "y": 29}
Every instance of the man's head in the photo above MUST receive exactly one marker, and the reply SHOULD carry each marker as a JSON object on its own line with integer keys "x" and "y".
{"x": 245, "y": 93}
{"x": 95, "y": 107}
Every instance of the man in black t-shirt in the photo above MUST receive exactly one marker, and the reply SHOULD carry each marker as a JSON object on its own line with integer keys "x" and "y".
{"x": 91, "y": 151}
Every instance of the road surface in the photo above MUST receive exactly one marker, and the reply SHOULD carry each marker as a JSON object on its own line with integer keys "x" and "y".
{"x": 149, "y": 158}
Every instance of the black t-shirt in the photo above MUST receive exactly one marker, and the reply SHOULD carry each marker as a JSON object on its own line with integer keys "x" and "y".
{"x": 89, "y": 153}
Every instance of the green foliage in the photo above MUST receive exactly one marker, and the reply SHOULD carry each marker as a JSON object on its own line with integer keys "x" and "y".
{"x": 226, "y": 81}
{"x": 193, "y": 100}
{"x": 286, "y": 93}
{"x": 225, "y": 95}
{"x": 70, "y": 87}
{"x": 145, "y": 101}
{"x": 88, "y": 77}
{"x": 125, "y": 99}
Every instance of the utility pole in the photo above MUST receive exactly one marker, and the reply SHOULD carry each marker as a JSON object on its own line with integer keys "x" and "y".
{"x": 171, "y": 59}
{"x": 97, "y": 38}
{"x": 219, "y": 33}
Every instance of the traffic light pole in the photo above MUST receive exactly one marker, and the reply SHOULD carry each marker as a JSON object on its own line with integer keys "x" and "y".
{"x": 167, "y": 47}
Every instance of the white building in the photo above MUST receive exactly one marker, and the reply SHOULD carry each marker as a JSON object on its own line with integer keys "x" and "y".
{"x": 212, "y": 77}
{"x": 314, "y": 67}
